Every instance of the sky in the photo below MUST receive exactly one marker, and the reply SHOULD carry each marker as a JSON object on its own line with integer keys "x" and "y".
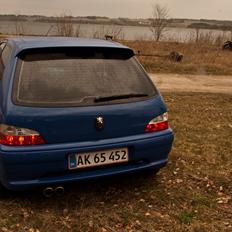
{"x": 193, "y": 9}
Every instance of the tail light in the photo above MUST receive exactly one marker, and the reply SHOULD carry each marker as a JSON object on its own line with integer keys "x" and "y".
{"x": 15, "y": 136}
{"x": 158, "y": 124}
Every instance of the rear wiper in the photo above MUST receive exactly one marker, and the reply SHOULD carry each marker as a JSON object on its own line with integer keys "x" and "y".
{"x": 122, "y": 96}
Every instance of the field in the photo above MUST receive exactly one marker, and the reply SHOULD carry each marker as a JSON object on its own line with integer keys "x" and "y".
{"x": 199, "y": 58}
{"x": 193, "y": 193}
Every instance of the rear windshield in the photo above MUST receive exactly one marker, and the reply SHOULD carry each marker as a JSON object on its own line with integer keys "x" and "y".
{"x": 77, "y": 77}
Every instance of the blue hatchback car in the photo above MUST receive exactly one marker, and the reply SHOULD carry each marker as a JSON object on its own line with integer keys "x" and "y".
{"x": 76, "y": 109}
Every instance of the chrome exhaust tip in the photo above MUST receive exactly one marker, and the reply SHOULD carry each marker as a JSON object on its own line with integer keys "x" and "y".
{"x": 48, "y": 192}
{"x": 59, "y": 191}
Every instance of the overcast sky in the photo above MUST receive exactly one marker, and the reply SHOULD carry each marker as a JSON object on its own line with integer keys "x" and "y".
{"x": 210, "y": 9}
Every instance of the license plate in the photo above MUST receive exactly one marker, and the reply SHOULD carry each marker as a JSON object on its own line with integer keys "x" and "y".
{"x": 98, "y": 158}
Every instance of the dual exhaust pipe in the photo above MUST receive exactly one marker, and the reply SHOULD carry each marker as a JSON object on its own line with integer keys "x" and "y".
{"x": 49, "y": 191}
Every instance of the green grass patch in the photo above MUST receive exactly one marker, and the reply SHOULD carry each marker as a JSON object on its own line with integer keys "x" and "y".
{"x": 186, "y": 217}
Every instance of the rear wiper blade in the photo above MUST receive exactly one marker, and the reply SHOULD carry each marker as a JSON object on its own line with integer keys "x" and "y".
{"x": 122, "y": 96}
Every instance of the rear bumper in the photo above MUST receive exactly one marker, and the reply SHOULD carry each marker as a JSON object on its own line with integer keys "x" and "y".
{"x": 24, "y": 168}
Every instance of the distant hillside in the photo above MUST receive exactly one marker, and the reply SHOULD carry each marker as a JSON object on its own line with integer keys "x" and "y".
{"x": 184, "y": 23}
{"x": 225, "y": 27}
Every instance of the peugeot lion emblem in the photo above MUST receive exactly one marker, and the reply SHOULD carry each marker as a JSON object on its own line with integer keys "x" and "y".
{"x": 99, "y": 123}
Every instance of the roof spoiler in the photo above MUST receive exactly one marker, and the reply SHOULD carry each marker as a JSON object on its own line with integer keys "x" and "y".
{"x": 78, "y": 52}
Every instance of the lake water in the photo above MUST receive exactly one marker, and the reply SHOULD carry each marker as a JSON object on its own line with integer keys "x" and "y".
{"x": 96, "y": 30}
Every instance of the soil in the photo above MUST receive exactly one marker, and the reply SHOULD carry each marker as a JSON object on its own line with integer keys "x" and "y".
{"x": 193, "y": 83}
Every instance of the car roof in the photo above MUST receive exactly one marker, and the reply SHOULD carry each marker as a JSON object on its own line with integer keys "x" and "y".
{"x": 22, "y": 43}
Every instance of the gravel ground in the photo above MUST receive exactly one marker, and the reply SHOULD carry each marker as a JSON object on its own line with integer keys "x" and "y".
{"x": 193, "y": 83}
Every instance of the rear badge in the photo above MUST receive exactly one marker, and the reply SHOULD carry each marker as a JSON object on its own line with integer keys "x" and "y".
{"x": 99, "y": 123}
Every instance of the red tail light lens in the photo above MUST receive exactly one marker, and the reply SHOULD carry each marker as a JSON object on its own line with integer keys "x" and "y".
{"x": 158, "y": 124}
{"x": 15, "y": 136}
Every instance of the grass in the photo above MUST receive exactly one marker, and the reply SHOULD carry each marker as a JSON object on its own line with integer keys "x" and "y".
{"x": 198, "y": 58}
{"x": 186, "y": 217}
{"x": 193, "y": 193}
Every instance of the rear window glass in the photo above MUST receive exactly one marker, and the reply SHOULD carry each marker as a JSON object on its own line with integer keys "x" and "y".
{"x": 78, "y": 77}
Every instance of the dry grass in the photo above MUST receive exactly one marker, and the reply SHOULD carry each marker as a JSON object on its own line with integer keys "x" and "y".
{"x": 198, "y": 58}
{"x": 193, "y": 193}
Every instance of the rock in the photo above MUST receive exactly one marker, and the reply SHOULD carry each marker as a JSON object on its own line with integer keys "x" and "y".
{"x": 175, "y": 56}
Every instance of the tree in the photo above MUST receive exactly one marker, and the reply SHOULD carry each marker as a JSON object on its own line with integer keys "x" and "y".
{"x": 159, "y": 21}
{"x": 19, "y": 28}
{"x": 65, "y": 26}
{"x": 113, "y": 32}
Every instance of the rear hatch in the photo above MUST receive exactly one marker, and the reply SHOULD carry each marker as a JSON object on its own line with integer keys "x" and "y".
{"x": 82, "y": 94}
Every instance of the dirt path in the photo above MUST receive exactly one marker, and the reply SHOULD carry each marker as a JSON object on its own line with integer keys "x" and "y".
{"x": 193, "y": 83}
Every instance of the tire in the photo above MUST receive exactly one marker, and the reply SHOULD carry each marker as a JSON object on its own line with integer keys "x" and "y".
{"x": 227, "y": 45}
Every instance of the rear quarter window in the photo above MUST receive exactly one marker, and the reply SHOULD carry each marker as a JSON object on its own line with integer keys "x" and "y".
{"x": 63, "y": 78}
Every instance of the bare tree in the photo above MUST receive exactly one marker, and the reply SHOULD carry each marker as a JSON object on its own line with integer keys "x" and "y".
{"x": 66, "y": 27}
{"x": 113, "y": 32}
{"x": 197, "y": 32}
{"x": 19, "y": 28}
{"x": 159, "y": 21}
